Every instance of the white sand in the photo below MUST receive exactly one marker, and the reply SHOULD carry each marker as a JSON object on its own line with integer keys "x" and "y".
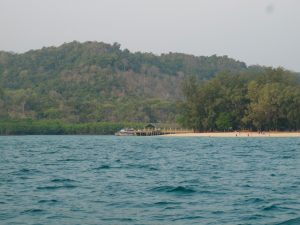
{"x": 237, "y": 134}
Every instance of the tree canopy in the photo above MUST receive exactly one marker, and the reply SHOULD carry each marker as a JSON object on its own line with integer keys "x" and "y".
{"x": 96, "y": 82}
{"x": 267, "y": 100}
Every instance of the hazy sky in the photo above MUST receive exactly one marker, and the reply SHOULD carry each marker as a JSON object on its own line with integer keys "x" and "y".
{"x": 265, "y": 32}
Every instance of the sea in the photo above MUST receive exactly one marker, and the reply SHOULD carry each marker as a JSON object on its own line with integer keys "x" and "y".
{"x": 149, "y": 180}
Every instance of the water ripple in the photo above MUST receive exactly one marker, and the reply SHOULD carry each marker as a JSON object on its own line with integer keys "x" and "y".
{"x": 149, "y": 180}
{"x": 172, "y": 189}
{"x": 67, "y": 186}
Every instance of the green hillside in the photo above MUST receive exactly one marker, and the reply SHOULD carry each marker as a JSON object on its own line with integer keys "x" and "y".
{"x": 99, "y": 82}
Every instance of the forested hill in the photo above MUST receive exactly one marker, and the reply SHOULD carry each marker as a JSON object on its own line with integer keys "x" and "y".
{"x": 95, "y": 81}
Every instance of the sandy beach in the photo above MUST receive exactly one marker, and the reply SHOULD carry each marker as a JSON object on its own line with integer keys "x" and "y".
{"x": 237, "y": 134}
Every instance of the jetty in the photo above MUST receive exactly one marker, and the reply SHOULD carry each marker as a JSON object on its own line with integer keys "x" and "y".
{"x": 146, "y": 132}
{"x": 151, "y": 130}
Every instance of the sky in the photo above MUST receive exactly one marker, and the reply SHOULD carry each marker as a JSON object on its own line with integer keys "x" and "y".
{"x": 264, "y": 32}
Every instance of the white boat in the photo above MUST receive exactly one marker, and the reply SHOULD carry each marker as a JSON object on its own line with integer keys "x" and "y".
{"x": 126, "y": 132}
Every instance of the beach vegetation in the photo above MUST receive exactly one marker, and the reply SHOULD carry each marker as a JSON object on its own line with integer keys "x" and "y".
{"x": 268, "y": 100}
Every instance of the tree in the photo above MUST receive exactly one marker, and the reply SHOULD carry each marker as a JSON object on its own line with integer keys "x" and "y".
{"x": 224, "y": 122}
{"x": 268, "y": 100}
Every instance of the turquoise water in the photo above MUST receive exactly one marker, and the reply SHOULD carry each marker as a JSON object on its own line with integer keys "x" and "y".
{"x": 149, "y": 180}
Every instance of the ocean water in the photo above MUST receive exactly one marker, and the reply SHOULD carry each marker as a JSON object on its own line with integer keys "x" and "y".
{"x": 149, "y": 180}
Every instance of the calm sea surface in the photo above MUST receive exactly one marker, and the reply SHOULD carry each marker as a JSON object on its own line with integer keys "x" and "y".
{"x": 149, "y": 180}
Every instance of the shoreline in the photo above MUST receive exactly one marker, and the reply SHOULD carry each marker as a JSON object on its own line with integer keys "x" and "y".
{"x": 237, "y": 134}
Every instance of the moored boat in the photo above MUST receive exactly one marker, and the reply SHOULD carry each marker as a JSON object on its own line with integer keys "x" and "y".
{"x": 126, "y": 132}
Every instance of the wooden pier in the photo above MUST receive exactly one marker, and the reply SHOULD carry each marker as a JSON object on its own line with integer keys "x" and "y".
{"x": 152, "y": 130}
{"x": 156, "y": 132}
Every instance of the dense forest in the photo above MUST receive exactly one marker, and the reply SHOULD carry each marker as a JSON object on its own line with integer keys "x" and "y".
{"x": 268, "y": 100}
{"x": 99, "y": 82}
{"x": 48, "y": 127}
{"x": 95, "y": 82}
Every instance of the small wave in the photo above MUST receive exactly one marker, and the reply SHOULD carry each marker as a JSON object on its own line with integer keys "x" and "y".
{"x": 253, "y": 217}
{"x": 59, "y": 217}
{"x": 274, "y": 207}
{"x": 138, "y": 166}
{"x": 56, "y": 187}
{"x": 48, "y": 201}
{"x": 103, "y": 167}
{"x": 207, "y": 145}
{"x": 141, "y": 166}
{"x": 153, "y": 169}
{"x": 51, "y": 164}
{"x": 33, "y": 211}
{"x": 208, "y": 192}
{"x": 271, "y": 207}
{"x": 171, "y": 189}
{"x": 61, "y": 180}
{"x": 64, "y": 147}
{"x": 6, "y": 179}
{"x": 25, "y": 178}
{"x": 294, "y": 221}
{"x": 161, "y": 203}
{"x": 70, "y": 160}
{"x": 165, "y": 203}
{"x": 245, "y": 186}
{"x": 188, "y": 218}
{"x": 119, "y": 219}
{"x": 26, "y": 171}
{"x": 49, "y": 152}
{"x": 254, "y": 200}
{"x": 174, "y": 207}
{"x": 218, "y": 212}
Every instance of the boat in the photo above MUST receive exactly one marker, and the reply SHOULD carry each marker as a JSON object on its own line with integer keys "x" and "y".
{"x": 126, "y": 132}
